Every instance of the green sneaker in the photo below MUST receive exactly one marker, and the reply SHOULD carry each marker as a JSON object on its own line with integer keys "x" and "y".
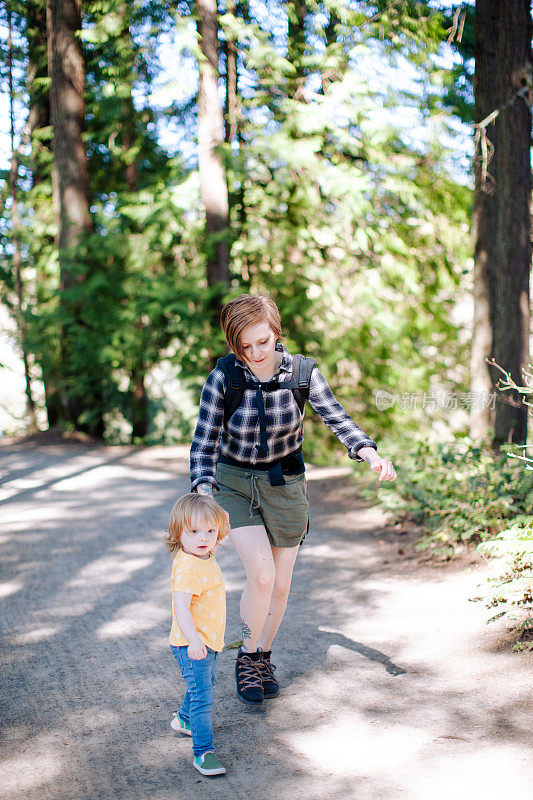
{"x": 208, "y": 764}
{"x": 178, "y": 724}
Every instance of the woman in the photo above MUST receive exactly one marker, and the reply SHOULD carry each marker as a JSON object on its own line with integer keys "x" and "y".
{"x": 251, "y": 457}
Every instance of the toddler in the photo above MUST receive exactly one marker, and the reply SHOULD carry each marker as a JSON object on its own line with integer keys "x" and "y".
{"x": 197, "y": 524}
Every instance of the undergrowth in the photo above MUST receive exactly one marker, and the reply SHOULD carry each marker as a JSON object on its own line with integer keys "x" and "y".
{"x": 457, "y": 491}
{"x": 510, "y": 588}
{"x": 461, "y": 494}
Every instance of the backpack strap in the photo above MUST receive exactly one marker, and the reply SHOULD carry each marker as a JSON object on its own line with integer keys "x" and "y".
{"x": 235, "y": 384}
{"x": 302, "y": 367}
{"x": 299, "y": 382}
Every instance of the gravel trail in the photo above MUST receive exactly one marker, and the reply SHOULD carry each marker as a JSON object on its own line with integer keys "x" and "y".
{"x": 393, "y": 685}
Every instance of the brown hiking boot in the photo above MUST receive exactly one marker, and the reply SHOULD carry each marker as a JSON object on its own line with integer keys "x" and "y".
{"x": 266, "y": 669}
{"x": 248, "y": 677}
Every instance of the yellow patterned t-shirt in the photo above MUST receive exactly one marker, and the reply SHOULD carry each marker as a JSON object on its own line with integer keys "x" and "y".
{"x": 203, "y": 579}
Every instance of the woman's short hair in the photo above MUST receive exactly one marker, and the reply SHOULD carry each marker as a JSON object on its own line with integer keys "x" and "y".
{"x": 191, "y": 510}
{"x": 246, "y": 310}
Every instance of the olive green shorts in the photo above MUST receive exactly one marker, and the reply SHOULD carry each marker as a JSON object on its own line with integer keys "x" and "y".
{"x": 249, "y": 499}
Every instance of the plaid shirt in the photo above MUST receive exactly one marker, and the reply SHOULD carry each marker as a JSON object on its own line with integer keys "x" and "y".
{"x": 239, "y": 437}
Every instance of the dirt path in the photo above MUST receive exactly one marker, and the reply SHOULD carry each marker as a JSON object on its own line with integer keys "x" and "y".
{"x": 393, "y": 685}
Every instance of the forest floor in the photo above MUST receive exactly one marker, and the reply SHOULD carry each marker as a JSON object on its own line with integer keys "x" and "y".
{"x": 393, "y": 684}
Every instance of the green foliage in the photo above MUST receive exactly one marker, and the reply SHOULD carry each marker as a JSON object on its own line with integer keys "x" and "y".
{"x": 138, "y": 285}
{"x": 510, "y": 589}
{"x": 458, "y": 81}
{"x": 352, "y": 230}
{"x": 459, "y": 492}
{"x": 354, "y": 225}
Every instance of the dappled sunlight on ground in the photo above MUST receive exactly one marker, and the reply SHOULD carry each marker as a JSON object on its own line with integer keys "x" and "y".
{"x": 322, "y": 473}
{"x": 29, "y": 522}
{"x": 8, "y": 588}
{"x": 139, "y": 548}
{"x": 421, "y": 765}
{"x": 32, "y": 769}
{"x": 357, "y": 521}
{"x": 387, "y": 691}
{"x": 105, "y": 477}
{"x": 106, "y": 571}
{"x": 133, "y": 618}
{"x": 334, "y": 550}
{"x": 349, "y": 743}
{"x": 36, "y": 635}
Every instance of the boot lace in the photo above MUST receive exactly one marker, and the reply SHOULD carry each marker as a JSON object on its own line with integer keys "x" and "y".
{"x": 266, "y": 669}
{"x": 249, "y": 675}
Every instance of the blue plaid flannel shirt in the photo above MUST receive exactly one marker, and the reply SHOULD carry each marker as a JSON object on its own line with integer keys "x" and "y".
{"x": 239, "y": 438}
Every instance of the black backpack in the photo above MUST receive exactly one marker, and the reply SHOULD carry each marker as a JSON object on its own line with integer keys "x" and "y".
{"x": 299, "y": 381}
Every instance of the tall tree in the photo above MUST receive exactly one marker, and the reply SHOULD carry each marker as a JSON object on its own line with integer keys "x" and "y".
{"x": 36, "y": 85}
{"x": 16, "y": 228}
{"x": 485, "y": 212}
{"x": 297, "y": 17}
{"x": 139, "y": 405}
{"x": 43, "y": 176}
{"x": 511, "y": 319}
{"x": 213, "y": 185}
{"x": 68, "y": 117}
{"x": 230, "y": 50}
{"x": 237, "y": 13}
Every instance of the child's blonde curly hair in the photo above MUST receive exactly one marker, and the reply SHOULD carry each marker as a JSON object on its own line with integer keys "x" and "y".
{"x": 189, "y": 511}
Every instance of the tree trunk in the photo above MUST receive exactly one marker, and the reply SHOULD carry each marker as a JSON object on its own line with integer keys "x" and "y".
{"x": 296, "y": 214}
{"x": 139, "y": 404}
{"x": 67, "y": 103}
{"x": 68, "y": 116}
{"x": 485, "y": 213}
{"x": 511, "y": 321}
{"x": 137, "y": 394}
{"x": 39, "y": 118}
{"x": 17, "y": 262}
{"x": 213, "y": 185}
{"x": 232, "y": 129}
{"x": 233, "y": 126}
{"x": 231, "y": 83}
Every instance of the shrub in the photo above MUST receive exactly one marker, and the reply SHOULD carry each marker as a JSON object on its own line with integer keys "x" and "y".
{"x": 459, "y": 492}
{"x": 510, "y": 589}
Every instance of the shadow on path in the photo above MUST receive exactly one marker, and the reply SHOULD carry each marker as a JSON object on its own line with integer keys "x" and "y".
{"x": 88, "y": 682}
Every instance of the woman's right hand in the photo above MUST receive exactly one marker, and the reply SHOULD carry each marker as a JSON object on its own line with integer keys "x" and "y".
{"x": 204, "y": 488}
{"x": 197, "y": 650}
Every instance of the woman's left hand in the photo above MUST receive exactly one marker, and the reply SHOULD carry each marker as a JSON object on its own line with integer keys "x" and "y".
{"x": 384, "y": 467}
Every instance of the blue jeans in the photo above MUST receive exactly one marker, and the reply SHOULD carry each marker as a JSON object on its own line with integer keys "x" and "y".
{"x": 197, "y": 706}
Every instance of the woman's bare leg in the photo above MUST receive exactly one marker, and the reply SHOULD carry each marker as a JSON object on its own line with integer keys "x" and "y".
{"x": 284, "y": 559}
{"x": 254, "y": 550}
